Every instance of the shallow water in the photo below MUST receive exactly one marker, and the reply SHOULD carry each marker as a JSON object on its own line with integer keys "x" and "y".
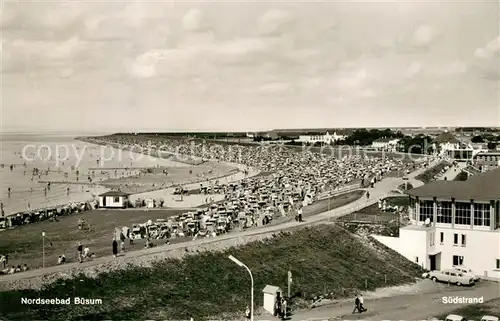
{"x": 60, "y": 158}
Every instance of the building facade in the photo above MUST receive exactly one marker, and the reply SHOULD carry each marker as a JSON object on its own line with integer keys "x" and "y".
{"x": 463, "y": 229}
{"x": 486, "y": 160}
{"x": 385, "y": 144}
{"x": 325, "y": 138}
{"x": 113, "y": 199}
{"x": 451, "y": 147}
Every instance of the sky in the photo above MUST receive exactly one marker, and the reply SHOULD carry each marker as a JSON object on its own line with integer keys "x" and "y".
{"x": 241, "y": 65}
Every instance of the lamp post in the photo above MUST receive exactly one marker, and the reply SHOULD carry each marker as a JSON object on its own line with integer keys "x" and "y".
{"x": 43, "y": 249}
{"x": 239, "y": 263}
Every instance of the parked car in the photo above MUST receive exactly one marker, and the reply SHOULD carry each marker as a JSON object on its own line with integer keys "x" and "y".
{"x": 466, "y": 271}
{"x": 451, "y": 276}
{"x": 455, "y": 317}
{"x": 489, "y": 318}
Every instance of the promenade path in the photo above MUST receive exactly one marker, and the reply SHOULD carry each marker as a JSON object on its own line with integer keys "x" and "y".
{"x": 423, "y": 305}
{"x": 453, "y": 171}
{"x": 382, "y": 189}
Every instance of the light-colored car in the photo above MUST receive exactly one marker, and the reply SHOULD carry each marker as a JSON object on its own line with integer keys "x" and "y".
{"x": 451, "y": 276}
{"x": 466, "y": 271}
{"x": 489, "y": 318}
{"x": 455, "y": 317}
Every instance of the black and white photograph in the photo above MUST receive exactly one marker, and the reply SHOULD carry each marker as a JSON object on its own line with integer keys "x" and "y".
{"x": 251, "y": 160}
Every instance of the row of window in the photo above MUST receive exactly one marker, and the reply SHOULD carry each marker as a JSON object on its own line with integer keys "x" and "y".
{"x": 482, "y": 213}
{"x": 456, "y": 239}
{"x": 459, "y": 260}
{"x": 488, "y": 158}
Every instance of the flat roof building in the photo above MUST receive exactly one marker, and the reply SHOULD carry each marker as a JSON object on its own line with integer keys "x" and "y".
{"x": 463, "y": 225}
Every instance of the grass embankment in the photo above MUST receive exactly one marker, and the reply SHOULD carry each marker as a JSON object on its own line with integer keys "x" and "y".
{"x": 24, "y": 244}
{"x": 373, "y": 220}
{"x": 323, "y": 259}
{"x": 428, "y": 175}
{"x": 462, "y": 176}
{"x": 476, "y": 311}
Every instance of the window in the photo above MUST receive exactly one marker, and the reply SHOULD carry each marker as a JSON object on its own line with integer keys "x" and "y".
{"x": 426, "y": 210}
{"x": 416, "y": 259}
{"x": 431, "y": 239}
{"x": 498, "y": 264}
{"x": 455, "y": 239}
{"x": 482, "y": 214}
{"x": 117, "y": 200}
{"x": 458, "y": 260}
{"x": 441, "y": 238}
{"x": 464, "y": 240}
{"x": 444, "y": 212}
{"x": 462, "y": 213}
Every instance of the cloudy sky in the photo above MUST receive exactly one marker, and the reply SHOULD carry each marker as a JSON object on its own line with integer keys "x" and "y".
{"x": 165, "y": 65}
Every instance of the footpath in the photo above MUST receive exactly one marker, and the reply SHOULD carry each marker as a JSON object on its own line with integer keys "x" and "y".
{"x": 416, "y": 306}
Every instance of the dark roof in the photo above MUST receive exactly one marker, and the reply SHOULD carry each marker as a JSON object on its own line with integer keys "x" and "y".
{"x": 489, "y": 153}
{"x": 446, "y": 138}
{"x": 484, "y": 187}
{"x": 114, "y": 193}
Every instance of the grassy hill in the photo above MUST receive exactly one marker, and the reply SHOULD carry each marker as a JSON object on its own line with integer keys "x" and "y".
{"x": 323, "y": 259}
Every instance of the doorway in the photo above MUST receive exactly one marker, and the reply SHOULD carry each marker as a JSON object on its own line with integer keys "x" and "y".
{"x": 435, "y": 262}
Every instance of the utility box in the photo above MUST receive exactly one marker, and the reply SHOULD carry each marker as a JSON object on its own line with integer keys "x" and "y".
{"x": 271, "y": 294}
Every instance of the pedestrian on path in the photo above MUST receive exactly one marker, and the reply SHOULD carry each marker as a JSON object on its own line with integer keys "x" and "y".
{"x": 247, "y": 313}
{"x": 356, "y": 305}
{"x": 80, "y": 252}
{"x": 361, "y": 302}
{"x": 115, "y": 247}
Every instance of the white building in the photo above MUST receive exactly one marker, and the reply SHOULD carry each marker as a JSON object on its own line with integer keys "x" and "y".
{"x": 464, "y": 225}
{"x": 450, "y": 146}
{"x": 325, "y": 138}
{"x": 386, "y": 144}
{"x": 113, "y": 199}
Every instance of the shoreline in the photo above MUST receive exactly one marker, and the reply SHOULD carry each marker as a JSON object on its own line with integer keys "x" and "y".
{"x": 101, "y": 187}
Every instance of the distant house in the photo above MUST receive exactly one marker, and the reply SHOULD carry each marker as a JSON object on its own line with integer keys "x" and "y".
{"x": 385, "y": 144}
{"x": 486, "y": 160}
{"x": 322, "y": 137}
{"x": 452, "y": 147}
{"x": 113, "y": 199}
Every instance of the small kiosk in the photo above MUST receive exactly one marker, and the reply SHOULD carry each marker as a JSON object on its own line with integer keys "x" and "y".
{"x": 271, "y": 294}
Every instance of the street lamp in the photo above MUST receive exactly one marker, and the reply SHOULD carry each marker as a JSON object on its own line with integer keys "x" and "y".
{"x": 43, "y": 249}
{"x": 235, "y": 260}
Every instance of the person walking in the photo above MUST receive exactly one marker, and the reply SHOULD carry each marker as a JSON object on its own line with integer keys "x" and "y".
{"x": 284, "y": 306}
{"x": 115, "y": 247}
{"x": 361, "y": 302}
{"x": 80, "y": 251}
{"x": 356, "y": 305}
{"x": 247, "y": 313}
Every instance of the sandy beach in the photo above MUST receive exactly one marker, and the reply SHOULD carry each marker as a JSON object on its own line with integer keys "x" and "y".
{"x": 83, "y": 170}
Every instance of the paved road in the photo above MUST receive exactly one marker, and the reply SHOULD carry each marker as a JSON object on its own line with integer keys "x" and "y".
{"x": 419, "y": 306}
{"x": 382, "y": 189}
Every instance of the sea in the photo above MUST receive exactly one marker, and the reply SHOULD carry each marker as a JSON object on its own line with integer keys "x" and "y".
{"x": 75, "y": 169}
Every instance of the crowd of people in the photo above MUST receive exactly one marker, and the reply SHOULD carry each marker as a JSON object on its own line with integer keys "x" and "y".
{"x": 293, "y": 178}
{"x": 4, "y": 262}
